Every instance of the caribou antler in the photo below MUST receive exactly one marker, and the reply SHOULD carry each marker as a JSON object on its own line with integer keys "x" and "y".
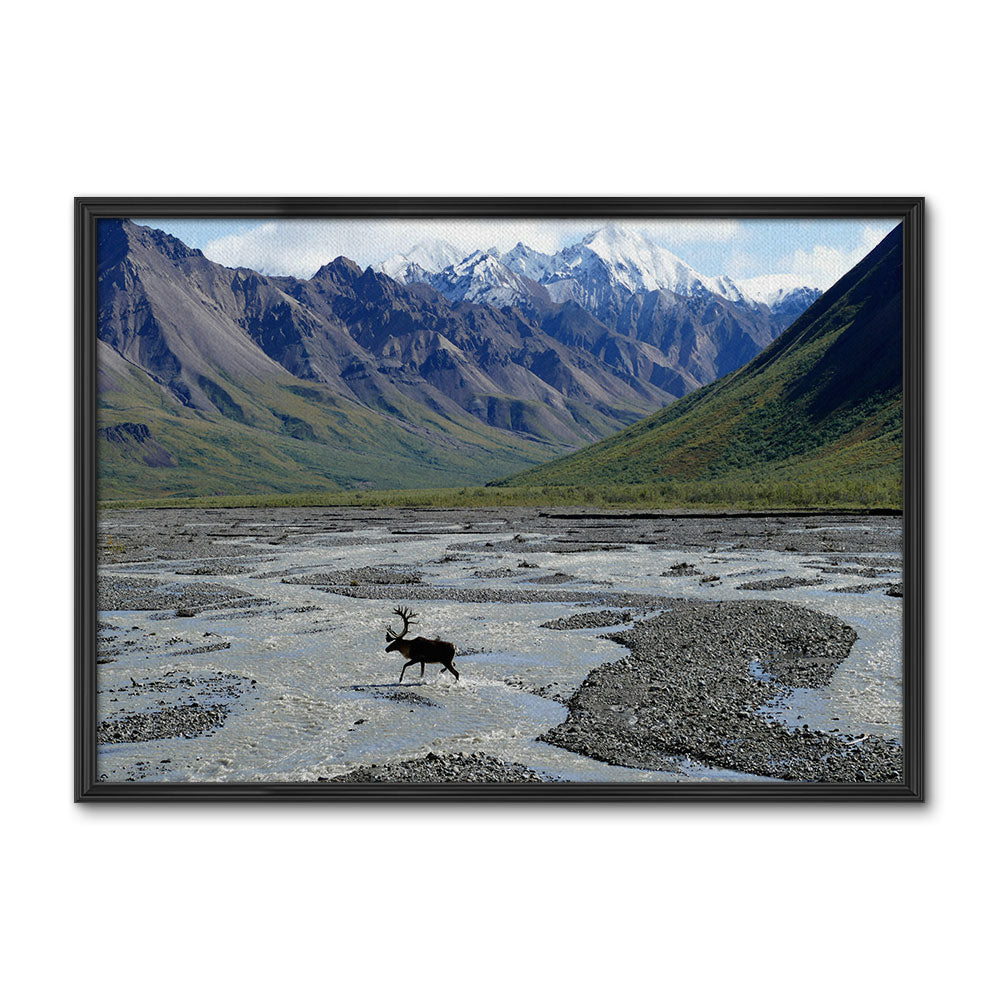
{"x": 408, "y": 617}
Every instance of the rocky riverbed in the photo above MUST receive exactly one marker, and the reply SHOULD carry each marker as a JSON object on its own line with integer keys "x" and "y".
{"x": 689, "y": 688}
{"x": 434, "y": 769}
{"x": 247, "y": 645}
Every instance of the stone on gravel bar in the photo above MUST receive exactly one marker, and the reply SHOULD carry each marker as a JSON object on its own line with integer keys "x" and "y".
{"x": 473, "y": 768}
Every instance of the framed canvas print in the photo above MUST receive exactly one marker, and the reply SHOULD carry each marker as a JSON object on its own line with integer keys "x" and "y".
{"x": 499, "y": 498}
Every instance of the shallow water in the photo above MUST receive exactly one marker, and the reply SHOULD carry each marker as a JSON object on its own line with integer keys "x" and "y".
{"x": 325, "y": 699}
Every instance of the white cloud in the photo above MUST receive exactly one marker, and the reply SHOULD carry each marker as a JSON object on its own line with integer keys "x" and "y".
{"x": 823, "y": 265}
{"x": 301, "y": 246}
{"x": 671, "y": 232}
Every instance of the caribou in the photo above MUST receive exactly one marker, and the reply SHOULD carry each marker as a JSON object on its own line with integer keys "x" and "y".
{"x": 419, "y": 650}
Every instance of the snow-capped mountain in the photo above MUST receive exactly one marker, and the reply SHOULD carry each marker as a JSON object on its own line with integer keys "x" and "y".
{"x": 777, "y": 290}
{"x": 601, "y": 273}
{"x": 482, "y": 277}
{"x": 425, "y": 258}
{"x": 523, "y": 260}
{"x": 615, "y": 259}
{"x": 617, "y": 283}
{"x": 627, "y": 258}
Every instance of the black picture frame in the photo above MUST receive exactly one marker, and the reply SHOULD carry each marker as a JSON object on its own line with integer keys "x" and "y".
{"x": 89, "y": 210}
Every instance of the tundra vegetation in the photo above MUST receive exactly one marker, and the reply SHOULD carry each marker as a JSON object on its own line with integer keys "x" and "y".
{"x": 831, "y": 494}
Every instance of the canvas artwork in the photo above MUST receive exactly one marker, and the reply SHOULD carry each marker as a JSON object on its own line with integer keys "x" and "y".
{"x": 501, "y": 502}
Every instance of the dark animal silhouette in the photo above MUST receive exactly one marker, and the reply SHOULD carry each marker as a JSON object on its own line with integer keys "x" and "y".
{"x": 419, "y": 650}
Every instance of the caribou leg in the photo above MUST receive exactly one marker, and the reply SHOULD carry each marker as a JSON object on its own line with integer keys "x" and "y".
{"x": 421, "y": 668}
{"x": 409, "y": 663}
{"x": 448, "y": 666}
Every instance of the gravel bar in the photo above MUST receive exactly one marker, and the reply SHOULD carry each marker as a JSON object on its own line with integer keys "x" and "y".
{"x": 782, "y": 583}
{"x": 477, "y": 768}
{"x": 353, "y": 577}
{"x": 186, "y": 721}
{"x": 686, "y": 690}
{"x": 513, "y": 595}
{"x": 589, "y": 619}
{"x": 142, "y": 593}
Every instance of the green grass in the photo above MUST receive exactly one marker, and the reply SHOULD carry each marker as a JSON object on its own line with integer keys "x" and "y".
{"x": 838, "y": 494}
{"x": 291, "y": 437}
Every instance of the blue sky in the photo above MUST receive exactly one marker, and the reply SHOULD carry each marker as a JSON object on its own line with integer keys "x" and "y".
{"x": 817, "y": 250}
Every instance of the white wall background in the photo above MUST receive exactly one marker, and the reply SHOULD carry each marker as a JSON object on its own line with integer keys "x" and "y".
{"x": 515, "y": 98}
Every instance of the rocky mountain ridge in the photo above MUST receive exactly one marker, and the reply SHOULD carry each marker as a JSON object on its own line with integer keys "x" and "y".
{"x": 821, "y": 404}
{"x": 334, "y": 365}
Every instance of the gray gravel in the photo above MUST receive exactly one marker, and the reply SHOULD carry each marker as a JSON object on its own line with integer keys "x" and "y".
{"x": 551, "y": 578}
{"x": 364, "y": 575}
{"x": 883, "y": 563}
{"x": 781, "y": 583}
{"x": 488, "y": 595}
{"x": 590, "y": 619}
{"x": 178, "y": 704}
{"x": 216, "y": 567}
{"x": 165, "y": 723}
{"x": 686, "y": 690}
{"x": 213, "y": 647}
{"x": 140, "y": 593}
{"x": 143, "y": 535}
{"x": 858, "y": 588}
{"x": 682, "y": 569}
{"x": 433, "y": 768}
{"x": 396, "y": 692}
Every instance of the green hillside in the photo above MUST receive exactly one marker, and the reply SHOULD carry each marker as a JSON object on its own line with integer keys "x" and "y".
{"x": 284, "y": 437}
{"x": 816, "y": 417}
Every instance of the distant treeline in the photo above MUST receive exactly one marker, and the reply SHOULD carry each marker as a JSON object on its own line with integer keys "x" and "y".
{"x": 885, "y": 493}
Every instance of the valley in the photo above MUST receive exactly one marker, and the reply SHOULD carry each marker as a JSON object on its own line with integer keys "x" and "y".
{"x": 216, "y": 380}
{"x": 658, "y": 514}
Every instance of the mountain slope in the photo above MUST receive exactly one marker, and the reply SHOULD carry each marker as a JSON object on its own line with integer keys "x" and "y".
{"x": 823, "y": 401}
{"x": 216, "y": 379}
{"x": 251, "y": 383}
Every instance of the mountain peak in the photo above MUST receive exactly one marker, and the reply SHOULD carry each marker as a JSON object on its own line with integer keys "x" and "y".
{"x": 427, "y": 257}
{"x": 633, "y": 261}
{"x": 125, "y": 234}
{"x": 338, "y": 269}
{"x": 614, "y": 231}
{"x": 485, "y": 277}
{"x": 490, "y": 258}
{"x": 525, "y": 261}
{"x": 617, "y": 236}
